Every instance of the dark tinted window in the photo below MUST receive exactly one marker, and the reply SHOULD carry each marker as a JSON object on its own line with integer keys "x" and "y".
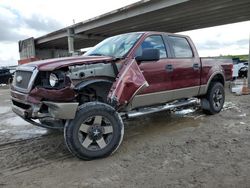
{"x": 155, "y": 42}
{"x": 181, "y": 47}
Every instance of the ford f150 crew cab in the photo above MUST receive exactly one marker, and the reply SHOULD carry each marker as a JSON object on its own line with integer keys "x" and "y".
{"x": 124, "y": 76}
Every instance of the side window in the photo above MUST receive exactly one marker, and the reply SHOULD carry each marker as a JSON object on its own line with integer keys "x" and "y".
{"x": 181, "y": 47}
{"x": 155, "y": 42}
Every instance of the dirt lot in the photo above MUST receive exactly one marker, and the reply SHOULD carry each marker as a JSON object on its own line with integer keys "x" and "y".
{"x": 178, "y": 149}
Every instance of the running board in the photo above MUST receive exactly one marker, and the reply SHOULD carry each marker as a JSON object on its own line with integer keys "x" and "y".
{"x": 150, "y": 110}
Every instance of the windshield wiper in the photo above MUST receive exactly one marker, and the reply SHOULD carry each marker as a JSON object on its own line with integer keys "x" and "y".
{"x": 117, "y": 58}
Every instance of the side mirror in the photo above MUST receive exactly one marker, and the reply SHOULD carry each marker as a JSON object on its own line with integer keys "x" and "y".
{"x": 149, "y": 54}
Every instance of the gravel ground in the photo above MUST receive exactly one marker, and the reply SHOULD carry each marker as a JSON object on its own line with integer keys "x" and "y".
{"x": 180, "y": 149}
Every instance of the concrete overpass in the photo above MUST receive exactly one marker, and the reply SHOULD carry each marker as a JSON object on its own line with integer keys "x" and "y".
{"x": 159, "y": 15}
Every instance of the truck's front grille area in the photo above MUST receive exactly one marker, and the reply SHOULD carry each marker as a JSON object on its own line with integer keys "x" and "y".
{"x": 22, "y": 79}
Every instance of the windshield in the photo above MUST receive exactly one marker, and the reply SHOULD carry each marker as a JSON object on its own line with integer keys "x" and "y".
{"x": 117, "y": 46}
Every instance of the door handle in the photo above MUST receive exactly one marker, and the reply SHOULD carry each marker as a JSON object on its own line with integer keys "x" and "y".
{"x": 196, "y": 66}
{"x": 169, "y": 68}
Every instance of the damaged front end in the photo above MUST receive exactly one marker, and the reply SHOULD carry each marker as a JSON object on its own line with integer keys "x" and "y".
{"x": 53, "y": 86}
{"x": 51, "y": 94}
{"x": 43, "y": 94}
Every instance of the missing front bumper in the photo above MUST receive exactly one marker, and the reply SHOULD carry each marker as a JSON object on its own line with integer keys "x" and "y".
{"x": 55, "y": 110}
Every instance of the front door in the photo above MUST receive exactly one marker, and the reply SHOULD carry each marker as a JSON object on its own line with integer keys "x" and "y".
{"x": 129, "y": 82}
{"x": 157, "y": 74}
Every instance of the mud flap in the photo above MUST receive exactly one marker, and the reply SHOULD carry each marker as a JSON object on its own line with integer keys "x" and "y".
{"x": 205, "y": 104}
{"x": 129, "y": 82}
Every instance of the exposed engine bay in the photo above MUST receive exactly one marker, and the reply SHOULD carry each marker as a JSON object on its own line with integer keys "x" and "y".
{"x": 60, "y": 85}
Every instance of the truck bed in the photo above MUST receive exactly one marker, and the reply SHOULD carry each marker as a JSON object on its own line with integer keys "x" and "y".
{"x": 208, "y": 64}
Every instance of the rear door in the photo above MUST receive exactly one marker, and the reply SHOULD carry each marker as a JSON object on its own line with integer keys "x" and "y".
{"x": 186, "y": 67}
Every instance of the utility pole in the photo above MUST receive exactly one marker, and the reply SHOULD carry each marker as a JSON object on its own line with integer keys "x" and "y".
{"x": 248, "y": 76}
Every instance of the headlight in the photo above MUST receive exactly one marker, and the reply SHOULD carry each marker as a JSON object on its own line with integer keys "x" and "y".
{"x": 53, "y": 80}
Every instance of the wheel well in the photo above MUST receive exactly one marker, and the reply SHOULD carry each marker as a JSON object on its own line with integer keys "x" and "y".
{"x": 97, "y": 91}
{"x": 218, "y": 78}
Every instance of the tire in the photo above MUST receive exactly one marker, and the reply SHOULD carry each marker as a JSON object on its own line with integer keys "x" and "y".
{"x": 240, "y": 75}
{"x": 96, "y": 132}
{"x": 213, "y": 102}
{"x": 245, "y": 74}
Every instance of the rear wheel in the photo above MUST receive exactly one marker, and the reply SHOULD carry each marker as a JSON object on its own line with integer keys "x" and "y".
{"x": 213, "y": 102}
{"x": 96, "y": 131}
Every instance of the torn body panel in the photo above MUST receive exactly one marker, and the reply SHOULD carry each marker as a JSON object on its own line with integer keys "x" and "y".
{"x": 129, "y": 82}
{"x": 80, "y": 72}
{"x": 65, "y": 94}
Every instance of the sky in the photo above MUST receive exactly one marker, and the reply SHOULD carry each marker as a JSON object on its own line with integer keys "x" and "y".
{"x": 33, "y": 18}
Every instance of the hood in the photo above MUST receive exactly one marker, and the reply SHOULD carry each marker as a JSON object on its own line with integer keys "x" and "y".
{"x": 56, "y": 63}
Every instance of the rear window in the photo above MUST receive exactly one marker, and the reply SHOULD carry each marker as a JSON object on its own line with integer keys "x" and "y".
{"x": 181, "y": 47}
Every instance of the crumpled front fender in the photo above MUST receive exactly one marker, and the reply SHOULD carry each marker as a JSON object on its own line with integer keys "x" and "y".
{"x": 129, "y": 82}
{"x": 64, "y": 94}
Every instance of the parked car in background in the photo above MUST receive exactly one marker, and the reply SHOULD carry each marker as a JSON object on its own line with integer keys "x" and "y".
{"x": 5, "y": 75}
{"x": 239, "y": 69}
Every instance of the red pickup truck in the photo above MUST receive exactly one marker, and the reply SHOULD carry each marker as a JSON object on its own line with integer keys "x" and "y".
{"x": 124, "y": 76}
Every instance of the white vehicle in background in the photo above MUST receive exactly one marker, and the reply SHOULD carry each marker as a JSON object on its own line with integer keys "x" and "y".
{"x": 237, "y": 67}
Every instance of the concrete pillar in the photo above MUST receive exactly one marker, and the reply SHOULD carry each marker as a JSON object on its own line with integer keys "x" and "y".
{"x": 248, "y": 76}
{"x": 71, "y": 34}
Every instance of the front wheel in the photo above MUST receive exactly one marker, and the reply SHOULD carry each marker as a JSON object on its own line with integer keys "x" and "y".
{"x": 96, "y": 131}
{"x": 213, "y": 102}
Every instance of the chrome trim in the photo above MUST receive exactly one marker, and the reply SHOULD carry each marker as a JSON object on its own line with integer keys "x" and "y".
{"x": 150, "y": 110}
{"x": 26, "y": 68}
{"x": 20, "y": 101}
{"x": 24, "y": 114}
{"x": 18, "y": 93}
{"x": 32, "y": 112}
{"x": 34, "y": 71}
